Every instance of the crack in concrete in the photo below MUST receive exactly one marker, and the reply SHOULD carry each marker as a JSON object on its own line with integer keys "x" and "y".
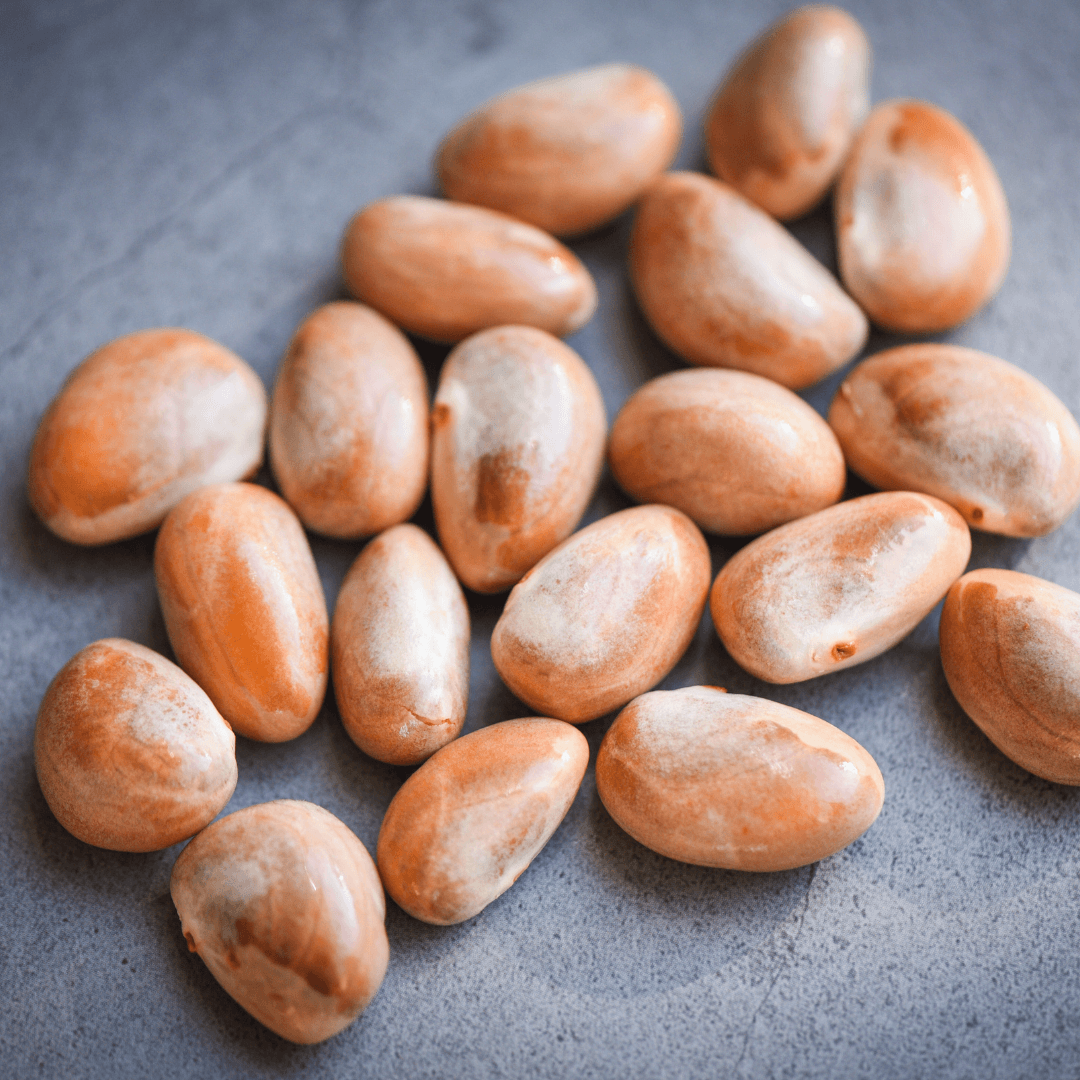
{"x": 162, "y": 228}
{"x": 780, "y": 968}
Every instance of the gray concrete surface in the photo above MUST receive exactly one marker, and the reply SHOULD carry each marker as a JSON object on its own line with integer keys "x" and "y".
{"x": 194, "y": 164}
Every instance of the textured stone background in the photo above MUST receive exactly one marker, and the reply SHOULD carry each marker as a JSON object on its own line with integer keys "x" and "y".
{"x": 194, "y": 164}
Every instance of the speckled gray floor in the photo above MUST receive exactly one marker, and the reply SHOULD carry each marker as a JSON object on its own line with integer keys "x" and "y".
{"x": 194, "y": 164}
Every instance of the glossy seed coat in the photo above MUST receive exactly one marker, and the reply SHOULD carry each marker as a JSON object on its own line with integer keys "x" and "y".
{"x": 737, "y": 453}
{"x": 467, "y": 824}
{"x": 838, "y": 587}
{"x": 518, "y": 430}
{"x": 1010, "y": 647}
{"x": 139, "y": 424}
{"x": 131, "y": 755}
{"x": 784, "y": 118}
{"x": 283, "y": 904}
{"x": 244, "y": 608}
{"x": 400, "y": 647}
{"x": 737, "y": 782}
{"x": 606, "y": 615}
{"x": 568, "y": 153}
{"x": 725, "y": 286}
{"x": 445, "y": 270}
{"x": 923, "y": 230}
{"x": 975, "y": 431}
{"x": 349, "y": 423}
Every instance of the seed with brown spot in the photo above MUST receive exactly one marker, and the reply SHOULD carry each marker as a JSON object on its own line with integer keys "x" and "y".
{"x": 516, "y": 453}
{"x": 287, "y": 909}
{"x": 839, "y": 587}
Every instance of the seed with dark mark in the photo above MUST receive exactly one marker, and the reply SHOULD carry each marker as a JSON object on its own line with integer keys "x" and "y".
{"x": 289, "y": 914}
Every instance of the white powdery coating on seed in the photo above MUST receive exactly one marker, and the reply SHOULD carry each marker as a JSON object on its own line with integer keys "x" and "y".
{"x": 674, "y": 717}
{"x": 966, "y": 427}
{"x": 908, "y": 211}
{"x": 473, "y": 848}
{"x": 275, "y": 576}
{"x": 856, "y": 576}
{"x": 845, "y": 602}
{"x": 765, "y": 270}
{"x": 581, "y": 626}
{"x": 408, "y": 613}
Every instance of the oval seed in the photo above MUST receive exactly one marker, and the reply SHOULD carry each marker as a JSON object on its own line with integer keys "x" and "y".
{"x": 517, "y": 447}
{"x": 131, "y": 755}
{"x": 349, "y": 423}
{"x": 446, "y": 270}
{"x": 839, "y": 587}
{"x": 284, "y": 906}
{"x": 1010, "y": 647}
{"x": 400, "y": 645}
{"x": 606, "y": 615}
{"x": 567, "y": 153}
{"x": 732, "y": 781}
{"x": 737, "y": 453}
{"x": 244, "y": 608}
{"x": 138, "y": 425}
{"x": 725, "y": 286}
{"x": 467, "y": 824}
{"x": 979, "y": 433}
{"x": 783, "y": 120}
{"x": 923, "y": 231}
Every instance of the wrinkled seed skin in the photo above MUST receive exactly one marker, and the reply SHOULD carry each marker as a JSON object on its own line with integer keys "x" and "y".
{"x": 131, "y": 755}
{"x": 606, "y": 615}
{"x": 284, "y": 905}
{"x": 975, "y": 431}
{"x": 467, "y": 824}
{"x": 518, "y": 434}
{"x": 923, "y": 229}
{"x": 1010, "y": 647}
{"x": 445, "y": 270}
{"x": 838, "y": 587}
{"x": 139, "y": 424}
{"x": 349, "y": 423}
{"x": 244, "y": 608}
{"x": 568, "y": 153}
{"x": 737, "y": 453}
{"x": 724, "y": 285}
{"x": 784, "y": 118}
{"x": 399, "y": 644}
{"x": 737, "y": 782}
